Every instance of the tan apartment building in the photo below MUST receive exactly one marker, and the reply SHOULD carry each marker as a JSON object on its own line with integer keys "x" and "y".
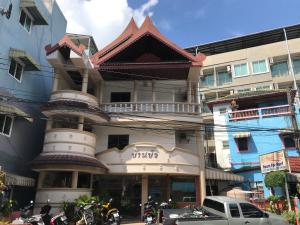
{"x": 252, "y": 62}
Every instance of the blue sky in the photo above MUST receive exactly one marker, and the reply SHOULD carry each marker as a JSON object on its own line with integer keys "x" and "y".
{"x": 189, "y": 22}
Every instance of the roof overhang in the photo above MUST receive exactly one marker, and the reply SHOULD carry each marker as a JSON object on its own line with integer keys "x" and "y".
{"x": 242, "y": 135}
{"x": 26, "y": 59}
{"x": 35, "y": 11}
{"x": 216, "y": 174}
{"x": 14, "y": 111}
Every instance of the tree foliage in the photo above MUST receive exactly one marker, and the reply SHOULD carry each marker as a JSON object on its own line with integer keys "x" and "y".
{"x": 275, "y": 179}
{"x": 2, "y": 181}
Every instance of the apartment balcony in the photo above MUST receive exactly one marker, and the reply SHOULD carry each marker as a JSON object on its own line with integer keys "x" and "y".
{"x": 151, "y": 107}
{"x": 73, "y": 95}
{"x": 69, "y": 141}
{"x": 281, "y": 110}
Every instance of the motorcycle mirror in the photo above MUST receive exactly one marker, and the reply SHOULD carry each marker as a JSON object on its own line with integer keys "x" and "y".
{"x": 170, "y": 200}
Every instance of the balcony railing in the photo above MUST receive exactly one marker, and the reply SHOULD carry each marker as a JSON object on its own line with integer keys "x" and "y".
{"x": 260, "y": 112}
{"x": 148, "y": 107}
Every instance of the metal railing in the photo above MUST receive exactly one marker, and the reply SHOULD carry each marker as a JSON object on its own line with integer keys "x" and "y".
{"x": 144, "y": 107}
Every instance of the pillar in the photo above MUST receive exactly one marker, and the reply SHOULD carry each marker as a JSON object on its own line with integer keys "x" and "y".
{"x": 168, "y": 182}
{"x": 55, "y": 81}
{"x": 74, "y": 179}
{"x": 49, "y": 123}
{"x": 189, "y": 91}
{"x": 80, "y": 123}
{"x": 101, "y": 83}
{"x": 135, "y": 91}
{"x": 200, "y": 146}
{"x": 144, "y": 193}
{"x": 85, "y": 80}
{"x": 153, "y": 91}
{"x": 41, "y": 179}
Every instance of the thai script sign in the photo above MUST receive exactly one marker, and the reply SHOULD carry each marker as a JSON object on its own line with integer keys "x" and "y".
{"x": 145, "y": 154}
{"x": 272, "y": 162}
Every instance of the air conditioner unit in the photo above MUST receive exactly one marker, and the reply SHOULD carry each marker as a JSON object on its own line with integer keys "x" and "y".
{"x": 271, "y": 61}
{"x": 228, "y": 69}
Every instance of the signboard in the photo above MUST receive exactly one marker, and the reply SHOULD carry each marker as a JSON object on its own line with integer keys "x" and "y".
{"x": 273, "y": 161}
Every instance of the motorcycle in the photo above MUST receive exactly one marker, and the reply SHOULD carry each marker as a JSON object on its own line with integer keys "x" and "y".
{"x": 149, "y": 216}
{"x": 64, "y": 218}
{"x": 110, "y": 215}
{"x": 162, "y": 206}
{"x": 26, "y": 218}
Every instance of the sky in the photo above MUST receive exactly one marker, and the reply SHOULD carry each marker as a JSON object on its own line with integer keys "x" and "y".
{"x": 185, "y": 22}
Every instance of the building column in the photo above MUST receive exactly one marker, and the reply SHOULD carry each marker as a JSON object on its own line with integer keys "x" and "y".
{"x": 74, "y": 179}
{"x": 144, "y": 193}
{"x": 168, "y": 182}
{"x": 189, "y": 91}
{"x": 101, "y": 83}
{"x": 80, "y": 123}
{"x": 153, "y": 91}
{"x": 200, "y": 146}
{"x": 85, "y": 80}
{"x": 49, "y": 123}
{"x": 41, "y": 179}
{"x": 215, "y": 77}
{"x": 55, "y": 81}
{"x": 135, "y": 91}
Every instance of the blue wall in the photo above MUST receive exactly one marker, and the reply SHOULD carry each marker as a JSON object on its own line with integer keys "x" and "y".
{"x": 26, "y": 140}
{"x": 260, "y": 142}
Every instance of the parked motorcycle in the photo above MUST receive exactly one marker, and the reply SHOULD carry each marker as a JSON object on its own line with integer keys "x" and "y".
{"x": 161, "y": 207}
{"x": 150, "y": 212}
{"x": 71, "y": 215}
{"x": 110, "y": 215}
{"x": 26, "y": 218}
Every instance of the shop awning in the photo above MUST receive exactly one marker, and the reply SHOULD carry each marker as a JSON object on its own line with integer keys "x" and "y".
{"x": 216, "y": 174}
{"x": 242, "y": 135}
{"x": 35, "y": 11}
{"x": 16, "y": 180}
{"x": 13, "y": 110}
{"x": 30, "y": 63}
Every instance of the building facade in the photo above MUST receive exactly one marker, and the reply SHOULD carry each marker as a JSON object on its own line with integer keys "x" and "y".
{"x": 125, "y": 121}
{"x": 25, "y": 74}
{"x": 252, "y": 62}
{"x": 259, "y": 123}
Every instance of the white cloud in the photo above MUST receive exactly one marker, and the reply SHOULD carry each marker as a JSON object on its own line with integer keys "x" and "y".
{"x": 103, "y": 19}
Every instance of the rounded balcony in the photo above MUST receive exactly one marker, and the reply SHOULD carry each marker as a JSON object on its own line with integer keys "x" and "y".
{"x": 72, "y": 95}
{"x": 65, "y": 140}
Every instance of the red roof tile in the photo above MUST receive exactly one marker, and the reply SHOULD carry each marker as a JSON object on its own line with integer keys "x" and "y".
{"x": 294, "y": 164}
{"x": 65, "y": 41}
{"x": 131, "y": 35}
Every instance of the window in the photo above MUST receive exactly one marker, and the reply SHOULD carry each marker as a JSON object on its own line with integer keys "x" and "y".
{"x": 208, "y": 80}
{"x": 15, "y": 69}
{"x": 259, "y": 66}
{"x": 242, "y": 144}
{"x": 288, "y": 141}
{"x": 250, "y": 211}
{"x": 223, "y": 110}
{"x": 183, "y": 189}
{"x": 57, "y": 180}
{"x": 244, "y": 90}
{"x": 296, "y": 64}
{"x": 120, "y": 97}
{"x": 118, "y": 141}
{"x": 234, "y": 210}
{"x": 225, "y": 144}
{"x": 279, "y": 69}
{"x": 84, "y": 180}
{"x": 240, "y": 70}
{"x": 25, "y": 21}
{"x": 223, "y": 77}
{"x": 218, "y": 206}
{"x": 5, "y": 124}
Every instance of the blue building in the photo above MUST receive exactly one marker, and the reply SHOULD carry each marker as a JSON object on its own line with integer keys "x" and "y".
{"x": 25, "y": 74}
{"x": 257, "y": 123}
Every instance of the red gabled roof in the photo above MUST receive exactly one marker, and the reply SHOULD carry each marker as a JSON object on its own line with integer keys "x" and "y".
{"x": 65, "y": 41}
{"x": 133, "y": 34}
{"x": 294, "y": 164}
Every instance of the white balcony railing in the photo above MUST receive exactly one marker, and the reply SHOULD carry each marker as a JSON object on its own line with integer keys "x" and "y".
{"x": 260, "y": 112}
{"x": 149, "y": 107}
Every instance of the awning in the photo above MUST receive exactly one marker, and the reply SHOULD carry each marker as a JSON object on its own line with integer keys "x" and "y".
{"x": 30, "y": 63}
{"x": 13, "y": 110}
{"x": 242, "y": 135}
{"x": 216, "y": 174}
{"x": 35, "y": 11}
{"x": 286, "y": 131}
{"x": 16, "y": 180}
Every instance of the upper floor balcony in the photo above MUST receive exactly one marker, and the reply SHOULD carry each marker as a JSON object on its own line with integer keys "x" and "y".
{"x": 280, "y": 110}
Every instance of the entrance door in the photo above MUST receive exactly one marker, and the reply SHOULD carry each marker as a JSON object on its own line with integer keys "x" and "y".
{"x": 158, "y": 188}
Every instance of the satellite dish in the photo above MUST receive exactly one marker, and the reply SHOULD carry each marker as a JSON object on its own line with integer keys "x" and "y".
{"x": 8, "y": 12}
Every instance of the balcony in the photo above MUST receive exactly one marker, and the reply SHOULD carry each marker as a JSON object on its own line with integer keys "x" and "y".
{"x": 150, "y": 107}
{"x": 280, "y": 110}
{"x": 72, "y": 95}
{"x": 65, "y": 140}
